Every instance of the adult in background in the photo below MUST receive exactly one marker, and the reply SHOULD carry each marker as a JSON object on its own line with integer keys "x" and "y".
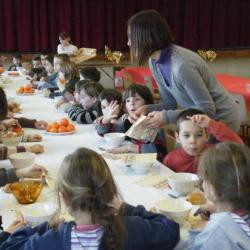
{"x": 182, "y": 76}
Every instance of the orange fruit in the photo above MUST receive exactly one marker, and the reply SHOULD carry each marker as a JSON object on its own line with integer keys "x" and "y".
{"x": 49, "y": 128}
{"x": 70, "y": 127}
{"x": 64, "y": 122}
{"x": 17, "y": 129}
{"x": 62, "y": 129}
{"x": 55, "y": 125}
{"x": 53, "y": 130}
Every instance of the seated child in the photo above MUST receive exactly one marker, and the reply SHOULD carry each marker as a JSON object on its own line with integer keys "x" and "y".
{"x": 100, "y": 218}
{"x": 111, "y": 105}
{"x": 37, "y": 70}
{"x": 90, "y": 73}
{"x": 65, "y": 46}
{"x": 44, "y": 55}
{"x": 134, "y": 97}
{"x": 17, "y": 64}
{"x": 67, "y": 78}
{"x": 88, "y": 108}
{"x": 50, "y": 83}
{"x": 226, "y": 176}
{"x": 193, "y": 128}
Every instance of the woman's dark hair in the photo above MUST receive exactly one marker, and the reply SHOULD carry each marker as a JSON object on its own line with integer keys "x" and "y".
{"x": 87, "y": 183}
{"x": 227, "y": 168}
{"x": 3, "y": 105}
{"x": 90, "y": 73}
{"x": 148, "y": 31}
{"x": 110, "y": 95}
{"x": 64, "y": 35}
{"x": 183, "y": 116}
{"x": 141, "y": 90}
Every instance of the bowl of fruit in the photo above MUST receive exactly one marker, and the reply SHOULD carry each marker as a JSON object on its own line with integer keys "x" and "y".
{"x": 62, "y": 127}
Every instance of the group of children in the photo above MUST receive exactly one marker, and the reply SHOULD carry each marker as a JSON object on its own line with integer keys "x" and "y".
{"x": 95, "y": 205}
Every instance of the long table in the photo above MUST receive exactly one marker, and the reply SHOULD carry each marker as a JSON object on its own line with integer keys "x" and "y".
{"x": 57, "y": 147}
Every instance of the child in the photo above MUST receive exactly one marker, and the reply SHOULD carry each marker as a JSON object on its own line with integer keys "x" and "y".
{"x": 111, "y": 105}
{"x": 44, "y": 56}
{"x": 90, "y": 73}
{"x": 101, "y": 221}
{"x": 191, "y": 133}
{"x": 89, "y": 106}
{"x": 17, "y": 64}
{"x": 65, "y": 46}
{"x": 134, "y": 97}
{"x": 50, "y": 83}
{"x": 37, "y": 70}
{"x": 226, "y": 176}
{"x": 67, "y": 78}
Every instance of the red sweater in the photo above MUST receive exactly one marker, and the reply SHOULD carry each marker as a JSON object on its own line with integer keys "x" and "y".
{"x": 179, "y": 161}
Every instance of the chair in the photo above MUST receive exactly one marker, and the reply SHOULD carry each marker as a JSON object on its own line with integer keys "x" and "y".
{"x": 244, "y": 119}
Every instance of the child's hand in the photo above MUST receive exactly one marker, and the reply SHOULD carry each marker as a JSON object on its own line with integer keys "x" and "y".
{"x": 34, "y": 171}
{"x": 205, "y": 211}
{"x": 111, "y": 112}
{"x": 59, "y": 103}
{"x": 129, "y": 148}
{"x": 34, "y": 138}
{"x": 201, "y": 120}
{"x": 14, "y": 226}
{"x": 36, "y": 148}
{"x": 41, "y": 125}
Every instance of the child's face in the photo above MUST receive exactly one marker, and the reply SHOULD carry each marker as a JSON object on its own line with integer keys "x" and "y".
{"x": 37, "y": 64}
{"x": 86, "y": 101}
{"x": 48, "y": 66}
{"x": 133, "y": 103}
{"x": 64, "y": 42}
{"x": 16, "y": 61}
{"x": 43, "y": 60}
{"x": 191, "y": 137}
{"x": 57, "y": 62}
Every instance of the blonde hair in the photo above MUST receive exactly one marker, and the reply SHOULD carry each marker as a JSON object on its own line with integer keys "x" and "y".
{"x": 70, "y": 70}
{"x": 85, "y": 179}
{"x": 227, "y": 168}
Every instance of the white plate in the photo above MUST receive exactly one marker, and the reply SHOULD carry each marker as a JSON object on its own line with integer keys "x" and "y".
{"x": 64, "y": 133}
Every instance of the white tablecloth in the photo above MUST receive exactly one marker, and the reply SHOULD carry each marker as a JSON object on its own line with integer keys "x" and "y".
{"x": 57, "y": 147}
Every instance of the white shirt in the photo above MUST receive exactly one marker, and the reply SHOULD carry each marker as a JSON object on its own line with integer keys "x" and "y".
{"x": 69, "y": 50}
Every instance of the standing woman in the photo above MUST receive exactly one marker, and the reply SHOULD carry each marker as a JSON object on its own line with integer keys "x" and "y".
{"x": 183, "y": 78}
{"x": 65, "y": 46}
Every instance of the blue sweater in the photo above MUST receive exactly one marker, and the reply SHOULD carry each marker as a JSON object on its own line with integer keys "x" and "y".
{"x": 144, "y": 231}
{"x": 184, "y": 78}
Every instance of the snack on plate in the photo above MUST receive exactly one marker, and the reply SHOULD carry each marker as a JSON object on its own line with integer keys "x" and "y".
{"x": 14, "y": 107}
{"x": 196, "y": 198}
{"x": 63, "y": 126}
{"x": 13, "y": 73}
{"x": 27, "y": 89}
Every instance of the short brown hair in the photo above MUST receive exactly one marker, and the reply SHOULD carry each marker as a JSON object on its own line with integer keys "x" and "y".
{"x": 70, "y": 70}
{"x": 110, "y": 95}
{"x": 227, "y": 168}
{"x": 149, "y": 31}
{"x": 91, "y": 88}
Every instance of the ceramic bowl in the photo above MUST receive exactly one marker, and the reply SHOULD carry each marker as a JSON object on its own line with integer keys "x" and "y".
{"x": 22, "y": 160}
{"x": 114, "y": 139}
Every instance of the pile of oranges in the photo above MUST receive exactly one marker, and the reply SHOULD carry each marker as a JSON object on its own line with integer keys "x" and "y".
{"x": 62, "y": 126}
{"x": 28, "y": 89}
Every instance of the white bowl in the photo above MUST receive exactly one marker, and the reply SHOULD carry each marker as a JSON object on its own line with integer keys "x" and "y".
{"x": 37, "y": 213}
{"x": 22, "y": 160}
{"x": 12, "y": 140}
{"x": 176, "y": 209}
{"x": 114, "y": 139}
{"x": 141, "y": 167}
{"x": 183, "y": 183}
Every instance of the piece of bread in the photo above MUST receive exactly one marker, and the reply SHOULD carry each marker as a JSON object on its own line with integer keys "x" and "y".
{"x": 196, "y": 198}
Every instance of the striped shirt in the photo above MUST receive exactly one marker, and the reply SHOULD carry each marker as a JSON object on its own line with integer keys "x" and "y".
{"x": 86, "y": 237}
{"x": 243, "y": 222}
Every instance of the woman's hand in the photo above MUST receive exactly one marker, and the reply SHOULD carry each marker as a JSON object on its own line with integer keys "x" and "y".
{"x": 41, "y": 125}
{"x": 154, "y": 120}
{"x": 34, "y": 171}
{"x": 143, "y": 110}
